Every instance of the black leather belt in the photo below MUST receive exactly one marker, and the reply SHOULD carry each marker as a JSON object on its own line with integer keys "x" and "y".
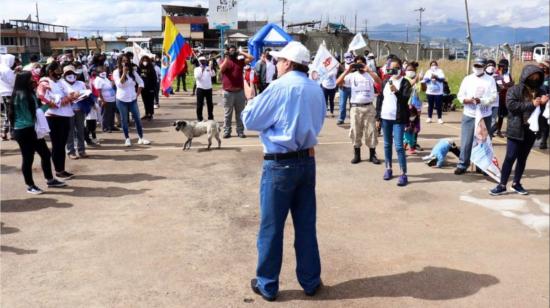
{"x": 360, "y": 105}
{"x": 289, "y": 155}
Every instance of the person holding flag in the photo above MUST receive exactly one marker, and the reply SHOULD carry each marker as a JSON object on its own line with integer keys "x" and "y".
{"x": 175, "y": 50}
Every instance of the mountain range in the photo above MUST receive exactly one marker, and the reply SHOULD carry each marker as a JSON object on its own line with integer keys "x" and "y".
{"x": 455, "y": 31}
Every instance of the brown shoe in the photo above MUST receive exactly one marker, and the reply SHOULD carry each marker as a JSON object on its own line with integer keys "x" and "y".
{"x": 72, "y": 156}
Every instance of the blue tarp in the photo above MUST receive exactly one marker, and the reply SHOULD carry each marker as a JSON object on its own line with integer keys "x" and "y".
{"x": 262, "y": 39}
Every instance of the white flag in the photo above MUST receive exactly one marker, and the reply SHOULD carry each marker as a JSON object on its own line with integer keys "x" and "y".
{"x": 324, "y": 62}
{"x": 358, "y": 42}
{"x": 482, "y": 150}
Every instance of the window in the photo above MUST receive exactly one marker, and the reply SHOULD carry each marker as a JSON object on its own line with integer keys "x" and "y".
{"x": 9, "y": 41}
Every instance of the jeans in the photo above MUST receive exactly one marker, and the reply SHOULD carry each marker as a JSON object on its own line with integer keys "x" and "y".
{"x": 395, "y": 131}
{"x": 436, "y": 100}
{"x": 26, "y": 138}
{"x": 59, "y": 132}
{"x": 345, "y": 95}
{"x": 329, "y": 98}
{"x": 467, "y": 139}
{"x": 124, "y": 108}
{"x": 517, "y": 151}
{"x": 108, "y": 116}
{"x": 233, "y": 100}
{"x": 203, "y": 94}
{"x": 76, "y": 132}
{"x": 494, "y": 120}
{"x": 287, "y": 185}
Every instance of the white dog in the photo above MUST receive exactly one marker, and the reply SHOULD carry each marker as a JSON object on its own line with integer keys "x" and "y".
{"x": 195, "y": 129}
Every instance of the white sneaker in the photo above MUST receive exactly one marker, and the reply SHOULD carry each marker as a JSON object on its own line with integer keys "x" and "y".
{"x": 143, "y": 141}
{"x": 429, "y": 120}
{"x": 156, "y": 106}
{"x": 128, "y": 142}
{"x": 96, "y": 141}
{"x": 440, "y": 121}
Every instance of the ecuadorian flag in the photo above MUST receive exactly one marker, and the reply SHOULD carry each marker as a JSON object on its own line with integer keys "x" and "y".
{"x": 175, "y": 51}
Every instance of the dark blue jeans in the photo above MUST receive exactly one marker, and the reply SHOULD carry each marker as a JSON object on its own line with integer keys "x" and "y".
{"x": 345, "y": 95}
{"x": 123, "y": 109}
{"x": 437, "y": 102}
{"x": 395, "y": 131}
{"x": 287, "y": 185}
{"x": 517, "y": 151}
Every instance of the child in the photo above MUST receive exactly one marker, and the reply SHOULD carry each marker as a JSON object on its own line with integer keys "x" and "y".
{"x": 411, "y": 130}
{"x": 91, "y": 124}
{"x": 439, "y": 152}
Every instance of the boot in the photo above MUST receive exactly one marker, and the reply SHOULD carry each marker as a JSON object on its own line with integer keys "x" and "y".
{"x": 373, "y": 158}
{"x": 357, "y": 156}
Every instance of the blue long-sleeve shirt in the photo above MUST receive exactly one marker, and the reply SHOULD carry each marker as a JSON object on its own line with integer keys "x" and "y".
{"x": 289, "y": 114}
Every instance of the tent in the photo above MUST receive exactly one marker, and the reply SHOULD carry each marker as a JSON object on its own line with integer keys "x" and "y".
{"x": 270, "y": 35}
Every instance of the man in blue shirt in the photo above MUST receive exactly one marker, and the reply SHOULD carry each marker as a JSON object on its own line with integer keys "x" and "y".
{"x": 289, "y": 115}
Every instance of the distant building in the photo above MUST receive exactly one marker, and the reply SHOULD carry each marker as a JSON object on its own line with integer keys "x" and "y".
{"x": 192, "y": 23}
{"x": 21, "y": 37}
{"x": 77, "y": 45}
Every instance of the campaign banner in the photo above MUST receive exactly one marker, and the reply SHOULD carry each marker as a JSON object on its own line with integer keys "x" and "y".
{"x": 358, "y": 42}
{"x": 222, "y": 13}
{"x": 482, "y": 150}
{"x": 324, "y": 62}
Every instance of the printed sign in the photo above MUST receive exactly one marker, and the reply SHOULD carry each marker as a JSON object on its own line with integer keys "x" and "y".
{"x": 222, "y": 13}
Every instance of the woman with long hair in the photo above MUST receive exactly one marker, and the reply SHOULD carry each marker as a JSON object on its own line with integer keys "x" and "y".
{"x": 24, "y": 105}
{"x": 129, "y": 85}
{"x": 53, "y": 93}
{"x": 146, "y": 70}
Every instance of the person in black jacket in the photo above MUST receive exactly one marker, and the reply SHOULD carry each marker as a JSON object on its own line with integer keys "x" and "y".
{"x": 392, "y": 112}
{"x": 147, "y": 72}
{"x": 521, "y": 100}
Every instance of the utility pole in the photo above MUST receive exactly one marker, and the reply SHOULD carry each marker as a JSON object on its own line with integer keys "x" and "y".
{"x": 39, "y": 38}
{"x": 407, "y": 33}
{"x": 420, "y": 11}
{"x": 469, "y": 39}
{"x": 355, "y": 30}
{"x": 283, "y": 14}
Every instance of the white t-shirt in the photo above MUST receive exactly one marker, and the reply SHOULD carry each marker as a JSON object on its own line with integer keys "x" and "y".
{"x": 362, "y": 87}
{"x": 126, "y": 91}
{"x": 106, "y": 87}
{"x": 329, "y": 80}
{"x": 434, "y": 88}
{"x": 269, "y": 71}
{"x": 57, "y": 92}
{"x": 203, "y": 76}
{"x": 389, "y": 105}
{"x": 484, "y": 88}
{"x": 78, "y": 87}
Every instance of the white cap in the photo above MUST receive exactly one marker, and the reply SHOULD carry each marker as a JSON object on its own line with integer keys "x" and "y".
{"x": 295, "y": 52}
{"x": 202, "y": 58}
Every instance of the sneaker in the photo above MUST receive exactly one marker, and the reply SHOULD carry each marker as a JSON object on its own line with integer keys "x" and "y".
{"x": 497, "y": 191}
{"x": 226, "y": 135}
{"x": 96, "y": 141}
{"x": 388, "y": 174}
{"x": 440, "y": 121}
{"x": 411, "y": 151}
{"x": 156, "y": 106}
{"x": 339, "y": 122}
{"x": 83, "y": 155}
{"x": 242, "y": 135}
{"x": 64, "y": 175}
{"x": 143, "y": 141}
{"x": 73, "y": 156}
{"x": 34, "y": 190}
{"x": 56, "y": 183}
{"x": 403, "y": 180}
{"x": 432, "y": 162}
{"x": 128, "y": 142}
{"x": 459, "y": 171}
{"x": 519, "y": 189}
{"x": 429, "y": 120}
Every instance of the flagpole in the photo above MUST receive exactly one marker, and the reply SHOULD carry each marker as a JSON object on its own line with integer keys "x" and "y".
{"x": 39, "y": 39}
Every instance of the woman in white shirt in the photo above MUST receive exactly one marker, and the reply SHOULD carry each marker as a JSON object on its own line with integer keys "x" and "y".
{"x": 433, "y": 79}
{"x": 53, "y": 93}
{"x": 106, "y": 91}
{"x": 129, "y": 86}
{"x": 328, "y": 83}
{"x": 76, "y": 130}
{"x": 392, "y": 112}
{"x": 203, "y": 77}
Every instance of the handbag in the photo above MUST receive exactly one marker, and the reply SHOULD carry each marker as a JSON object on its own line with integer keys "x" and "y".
{"x": 41, "y": 126}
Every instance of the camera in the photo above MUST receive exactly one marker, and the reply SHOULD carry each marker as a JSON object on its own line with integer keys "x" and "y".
{"x": 357, "y": 66}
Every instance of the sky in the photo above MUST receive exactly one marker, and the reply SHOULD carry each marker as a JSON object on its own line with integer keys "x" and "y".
{"x": 117, "y": 17}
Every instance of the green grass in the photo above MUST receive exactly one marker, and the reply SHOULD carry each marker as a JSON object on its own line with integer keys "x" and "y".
{"x": 190, "y": 79}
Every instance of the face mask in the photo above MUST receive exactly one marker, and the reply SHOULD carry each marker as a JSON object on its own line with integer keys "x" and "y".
{"x": 478, "y": 71}
{"x": 396, "y": 72}
{"x": 36, "y": 71}
{"x": 533, "y": 83}
{"x": 70, "y": 78}
{"x": 410, "y": 74}
{"x": 490, "y": 70}
{"x": 434, "y": 67}
{"x": 103, "y": 75}
{"x": 78, "y": 71}
{"x": 145, "y": 63}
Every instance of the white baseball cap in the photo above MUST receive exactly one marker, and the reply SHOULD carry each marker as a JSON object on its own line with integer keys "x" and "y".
{"x": 293, "y": 51}
{"x": 202, "y": 58}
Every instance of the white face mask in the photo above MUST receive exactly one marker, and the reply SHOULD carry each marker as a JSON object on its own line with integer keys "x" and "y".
{"x": 410, "y": 74}
{"x": 145, "y": 63}
{"x": 490, "y": 69}
{"x": 70, "y": 78}
{"x": 434, "y": 67}
{"x": 103, "y": 75}
{"x": 36, "y": 71}
{"x": 478, "y": 71}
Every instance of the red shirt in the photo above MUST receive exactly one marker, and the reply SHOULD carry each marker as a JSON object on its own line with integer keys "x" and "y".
{"x": 232, "y": 75}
